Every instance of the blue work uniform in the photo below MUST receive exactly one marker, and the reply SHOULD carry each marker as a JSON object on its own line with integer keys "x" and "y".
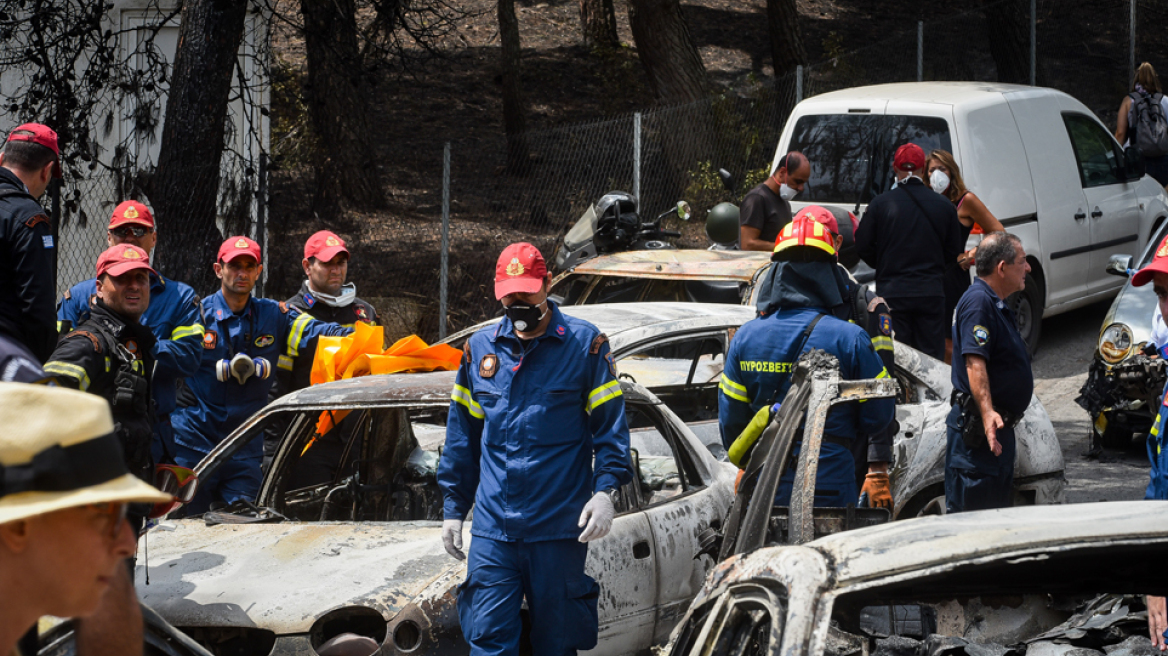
{"x": 175, "y": 318}
{"x": 264, "y": 329}
{"x": 525, "y": 421}
{"x": 1158, "y": 453}
{"x": 761, "y": 359}
{"x": 976, "y": 479}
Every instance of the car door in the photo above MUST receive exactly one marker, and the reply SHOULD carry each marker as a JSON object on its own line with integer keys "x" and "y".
{"x": 1064, "y": 228}
{"x": 622, "y": 563}
{"x": 1111, "y": 200}
{"x": 679, "y": 504}
{"x": 683, "y": 370}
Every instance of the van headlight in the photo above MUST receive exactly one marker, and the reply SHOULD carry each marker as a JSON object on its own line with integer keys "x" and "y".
{"x": 1115, "y": 343}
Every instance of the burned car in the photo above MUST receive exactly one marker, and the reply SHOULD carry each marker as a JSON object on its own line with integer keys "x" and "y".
{"x": 677, "y": 351}
{"x": 362, "y": 553}
{"x": 940, "y": 585}
{"x": 1124, "y": 383}
{"x": 927, "y": 586}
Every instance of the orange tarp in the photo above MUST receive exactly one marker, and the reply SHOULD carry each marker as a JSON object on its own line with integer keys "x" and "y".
{"x": 362, "y": 354}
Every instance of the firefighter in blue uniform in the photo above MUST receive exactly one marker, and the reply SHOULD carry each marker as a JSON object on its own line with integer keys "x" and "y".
{"x": 174, "y": 317}
{"x": 797, "y": 317}
{"x": 536, "y": 396}
{"x": 1157, "y": 274}
{"x": 243, "y": 339}
{"x": 992, "y": 381}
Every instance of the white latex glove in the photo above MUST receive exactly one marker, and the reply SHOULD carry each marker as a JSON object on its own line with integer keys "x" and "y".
{"x": 452, "y": 537}
{"x": 598, "y": 513}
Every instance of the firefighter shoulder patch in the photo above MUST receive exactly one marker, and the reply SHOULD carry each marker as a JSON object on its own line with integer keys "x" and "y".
{"x": 37, "y": 220}
{"x": 264, "y": 341}
{"x": 885, "y": 325}
{"x": 466, "y": 354}
{"x": 210, "y": 339}
{"x": 981, "y": 335}
{"x": 488, "y": 365}
{"x": 611, "y": 364}
{"x": 68, "y": 295}
{"x": 283, "y": 307}
{"x": 597, "y": 343}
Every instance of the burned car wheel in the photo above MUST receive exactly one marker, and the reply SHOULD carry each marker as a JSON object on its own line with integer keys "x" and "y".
{"x": 927, "y": 502}
{"x": 1117, "y": 435}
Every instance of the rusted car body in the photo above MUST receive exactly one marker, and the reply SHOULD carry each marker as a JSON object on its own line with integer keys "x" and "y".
{"x": 362, "y": 553}
{"x": 677, "y": 351}
{"x": 805, "y": 600}
{"x": 664, "y": 275}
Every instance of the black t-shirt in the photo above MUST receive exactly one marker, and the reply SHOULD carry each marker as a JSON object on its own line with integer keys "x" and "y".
{"x": 985, "y": 326}
{"x": 765, "y": 210}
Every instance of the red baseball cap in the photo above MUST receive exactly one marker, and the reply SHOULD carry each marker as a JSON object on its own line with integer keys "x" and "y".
{"x": 324, "y": 246}
{"x": 822, "y": 215}
{"x": 1159, "y": 265}
{"x": 521, "y": 269}
{"x": 39, "y": 134}
{"x": 122, "y": 258}
{"x": 236, "y": 246}
{"x": 131, "y": 211}
{"x": 909, "y": 157}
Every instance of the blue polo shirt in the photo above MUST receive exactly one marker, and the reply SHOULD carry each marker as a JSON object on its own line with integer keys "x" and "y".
{"x": 983, "y": 325}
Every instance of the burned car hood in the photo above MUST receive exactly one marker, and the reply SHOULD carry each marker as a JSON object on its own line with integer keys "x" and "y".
{"x": 282, "y": 577}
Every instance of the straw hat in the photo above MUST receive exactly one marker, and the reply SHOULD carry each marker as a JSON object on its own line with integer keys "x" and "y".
{"x": 58, "y": 450}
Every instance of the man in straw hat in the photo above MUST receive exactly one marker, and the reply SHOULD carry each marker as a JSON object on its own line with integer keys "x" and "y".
{"x": 64, "y": 488}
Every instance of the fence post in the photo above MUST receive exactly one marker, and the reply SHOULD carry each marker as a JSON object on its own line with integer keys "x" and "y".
{"x": 799, "y": 84}
{"x": 261, "y": 230}
{"x": 55, "y": 212}
{"x": 920, "y": 51}
{"x": 445, "y": 271}
{"x": 1132, "y": 48}
{"x": 1034, "y": 42}
{"x": 637, "y": 156}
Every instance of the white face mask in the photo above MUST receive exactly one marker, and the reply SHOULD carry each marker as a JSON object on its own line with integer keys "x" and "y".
{"x": 344, "y": 299}
{"x": 787, "y": 193}
{"x": 939, "y": 181}
{"x": 896, "y": 183}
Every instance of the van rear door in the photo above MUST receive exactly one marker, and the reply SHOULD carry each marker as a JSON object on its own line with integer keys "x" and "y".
{"x": 1112, "y": 205}
{"x": 1063, "y": 225}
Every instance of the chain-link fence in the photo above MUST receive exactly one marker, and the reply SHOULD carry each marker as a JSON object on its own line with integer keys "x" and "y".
{"x": 117, "y": 156}
{"x": 664, "y": 155}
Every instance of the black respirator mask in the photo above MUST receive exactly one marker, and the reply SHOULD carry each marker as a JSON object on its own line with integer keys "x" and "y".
{"x": 525, "y": 317}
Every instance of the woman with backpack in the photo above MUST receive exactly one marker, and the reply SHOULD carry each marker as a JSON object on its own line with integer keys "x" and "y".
{"x": 1143, "y": 122}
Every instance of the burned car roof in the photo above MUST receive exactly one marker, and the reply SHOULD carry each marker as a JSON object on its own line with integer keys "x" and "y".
{"x": 894, "y": 552}
{"x": 626, "y": 323}
{"x": 685, "y": 264}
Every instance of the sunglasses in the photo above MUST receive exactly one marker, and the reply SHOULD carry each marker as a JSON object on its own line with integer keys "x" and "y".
{"x": 126, "y": 231}
{"x": 115, "y": 513}
{"x": 179, "y": 482}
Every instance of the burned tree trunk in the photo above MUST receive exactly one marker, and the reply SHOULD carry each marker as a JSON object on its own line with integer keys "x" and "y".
{"x": 185, "y": 185}
{"x": 514, "y": 123}
{"x": 786, "y": 41}
{"x": 1010, "y": 45}
{"x": 338, "y": 96}
{"x": 598, "y": 22}
{"x": 667, "y": 50}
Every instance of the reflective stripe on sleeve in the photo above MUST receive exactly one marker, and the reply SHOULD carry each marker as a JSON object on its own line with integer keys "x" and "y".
{"x": 603, "y": 394}
{"x": 883, "y": 373}
{"x": 187, "y": 331}
{"x": 733, "y": 389}
{"x": 882, "y": 343}
{"x": 58, "y": 368}
{"x": 462, "y": 395}
{"x": 297, "y": 332}
{"x": 284, "y": 362}
{"x": 1155, "y": 424}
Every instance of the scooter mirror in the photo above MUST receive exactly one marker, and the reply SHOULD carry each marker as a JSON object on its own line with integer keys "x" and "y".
{"x": 683, "y": 210}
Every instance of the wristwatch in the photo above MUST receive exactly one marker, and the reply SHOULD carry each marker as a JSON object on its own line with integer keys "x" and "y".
{"x": 613, "y": 495}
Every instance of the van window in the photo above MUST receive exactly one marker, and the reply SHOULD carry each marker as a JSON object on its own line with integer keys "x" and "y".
{"x": 851, "y": 154}
{"x": 1095, "y": 151}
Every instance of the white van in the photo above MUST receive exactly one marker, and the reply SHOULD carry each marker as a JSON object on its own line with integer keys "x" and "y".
{"x": 1042, "y": 162}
